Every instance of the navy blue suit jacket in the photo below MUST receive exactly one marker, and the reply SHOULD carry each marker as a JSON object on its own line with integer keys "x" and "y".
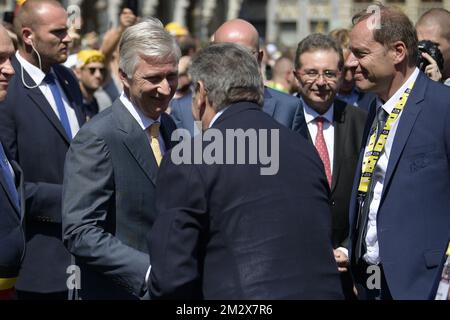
{"x": 282, "y": 107}
{"x": 12, "y": 239}
{"x": 32, "y": 133}
{"x": 231, "y": 233}
{"x": 413, "y": 219}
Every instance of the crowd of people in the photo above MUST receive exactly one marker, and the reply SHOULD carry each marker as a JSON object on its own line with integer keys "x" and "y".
{"x": 114, "y": 183}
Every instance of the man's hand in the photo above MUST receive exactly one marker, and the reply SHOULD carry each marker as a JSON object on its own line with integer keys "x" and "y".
{"x": 341, "y": 260}
{"x": 432, "y": 70}
{"x": 127, "y": 18}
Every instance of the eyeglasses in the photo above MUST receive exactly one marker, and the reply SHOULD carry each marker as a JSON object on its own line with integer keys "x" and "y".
{"x": 92, "y": 70}
{"x": 328, "y": 75}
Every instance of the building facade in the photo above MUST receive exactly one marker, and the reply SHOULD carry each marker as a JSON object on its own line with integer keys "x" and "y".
{"x": 283, "y": 22}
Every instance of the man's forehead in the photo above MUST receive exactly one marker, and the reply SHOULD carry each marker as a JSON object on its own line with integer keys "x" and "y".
{"x": 361, "y": 36}
{"x": 428, "y": 32}
{"x": 6, "y": 45}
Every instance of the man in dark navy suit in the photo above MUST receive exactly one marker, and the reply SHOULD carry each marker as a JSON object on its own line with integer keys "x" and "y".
{"x": 12, "y": 242}
{"x": 282, "y": 107}
{"x": 39, "y": 118}
{"x": 236, "y": 230}
{"x": 399, "y": 211}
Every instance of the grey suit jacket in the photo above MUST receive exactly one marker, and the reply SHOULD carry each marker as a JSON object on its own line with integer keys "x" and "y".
{"x": 108, "y": 203}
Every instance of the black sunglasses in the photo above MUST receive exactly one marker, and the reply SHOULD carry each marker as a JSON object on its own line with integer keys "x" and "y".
{"x": 92, "y": 70}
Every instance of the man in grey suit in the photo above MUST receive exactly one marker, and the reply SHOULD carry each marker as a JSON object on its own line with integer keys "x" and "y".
{"x": 280, "y": 106}
{"x": 110, "y": 173}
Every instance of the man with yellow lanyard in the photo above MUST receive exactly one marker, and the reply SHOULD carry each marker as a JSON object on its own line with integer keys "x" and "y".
{"x": 399, "y": 211}
{"x": 12, "y": 242}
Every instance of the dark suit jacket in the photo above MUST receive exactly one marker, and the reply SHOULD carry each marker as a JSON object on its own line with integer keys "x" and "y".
{"x": 282, "y": 107}
{"x": 348, "y": 122}
{"x": 232, "y": 233}
{"x": 413, "y": 219}
{"x": 12, "y": 239}
{"x": 109, "y": 202}
{"x": 35, "y": 138}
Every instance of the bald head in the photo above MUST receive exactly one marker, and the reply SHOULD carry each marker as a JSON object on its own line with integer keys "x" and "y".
{"x": 434, "y": 25}
{"x": 436, "y": 17}
{"x": 238, "y": 31}
{"x": 31, "y": 12}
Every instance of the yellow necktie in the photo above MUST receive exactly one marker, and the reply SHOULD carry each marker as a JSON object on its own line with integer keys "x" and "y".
{"x": 154, "y": 143}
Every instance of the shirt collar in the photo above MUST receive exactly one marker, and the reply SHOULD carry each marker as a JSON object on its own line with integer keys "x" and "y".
{"x": 143, "y": 121}
{"x": 35, "y": 73}
{"x": 389, "y": 105}
{"x": 311, "y": 114}
{"x": 218, "y": 114}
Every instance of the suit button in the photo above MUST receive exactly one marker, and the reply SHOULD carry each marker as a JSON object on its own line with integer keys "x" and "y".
{"x": 333, "y": 203}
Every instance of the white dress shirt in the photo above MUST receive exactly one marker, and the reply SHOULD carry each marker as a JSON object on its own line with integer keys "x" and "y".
{"x": 328, "y": 128}
{"x": 372, "y": 255}
{"x": 143, "y": 121}
{"x": 216, "y": 116}
{"x": 38, "y": 76}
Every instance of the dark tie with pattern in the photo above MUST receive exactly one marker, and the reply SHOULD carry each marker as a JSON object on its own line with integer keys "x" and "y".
{"x": 379, "y": 122}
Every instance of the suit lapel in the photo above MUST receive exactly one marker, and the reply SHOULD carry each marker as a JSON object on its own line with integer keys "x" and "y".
{"x": 38, "y": 98}
{"x": 405, "y": 125}
{"x": 65, "y": 84}
{"x": 135, "y": 140}
{"x": 269, "y": 103}
{"x": 340, "y": 134}
{"x": 19, "y": 176}
{"x": 300, "y": 124}
{"x": 8, "y": 194}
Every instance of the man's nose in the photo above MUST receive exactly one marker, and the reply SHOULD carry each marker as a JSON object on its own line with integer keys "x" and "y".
{"x": 351, "y": 61}
{"x": 7, "y": 69}
{"x": 164, "y": 87}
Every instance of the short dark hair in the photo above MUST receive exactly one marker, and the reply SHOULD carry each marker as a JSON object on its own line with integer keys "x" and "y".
{"x": 394, "y": 26}
{"x": 318, "y": 41}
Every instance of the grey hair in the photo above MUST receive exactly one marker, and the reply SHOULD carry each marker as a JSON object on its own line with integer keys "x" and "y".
{"x": 149, "y": 39}
{"x": 230, "y": 74}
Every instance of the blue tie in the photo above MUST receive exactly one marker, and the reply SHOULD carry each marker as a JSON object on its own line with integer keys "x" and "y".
{"x": 5, "y": 171}
{"x": 50, "y": 80}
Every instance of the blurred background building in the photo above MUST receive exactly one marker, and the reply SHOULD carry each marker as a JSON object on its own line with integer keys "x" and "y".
{"x": 283, "y": 22}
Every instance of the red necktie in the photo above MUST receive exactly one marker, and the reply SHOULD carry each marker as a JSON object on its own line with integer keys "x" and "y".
{"x": 321, "y": 147}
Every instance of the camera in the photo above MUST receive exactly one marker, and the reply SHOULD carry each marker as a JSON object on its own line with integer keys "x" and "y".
{"x": 432, "y": 49}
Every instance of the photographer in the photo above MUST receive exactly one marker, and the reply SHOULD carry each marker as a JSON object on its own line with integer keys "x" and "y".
{"x": 433, "y": 25}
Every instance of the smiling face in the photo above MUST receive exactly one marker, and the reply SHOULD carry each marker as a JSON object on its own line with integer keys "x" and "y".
{"x": 318, "y": 76}
{"x": 6, "y": 69}
{"x": 152, "y": 85}
{"x": 372, "y": 63}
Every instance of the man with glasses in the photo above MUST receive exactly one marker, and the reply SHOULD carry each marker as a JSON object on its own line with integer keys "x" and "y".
{"x": 334, "y": 128}
{"x": 90, "y": 71}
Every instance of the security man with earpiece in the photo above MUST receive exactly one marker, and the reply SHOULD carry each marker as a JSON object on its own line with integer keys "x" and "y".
{"x": 40, "y": 116}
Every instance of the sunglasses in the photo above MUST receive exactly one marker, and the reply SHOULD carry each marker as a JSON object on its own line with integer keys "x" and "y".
{"x": 92, "y": 70}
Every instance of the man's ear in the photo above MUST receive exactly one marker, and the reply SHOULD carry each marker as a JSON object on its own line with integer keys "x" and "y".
{"x": 400, "y": 52}
{"x": 260, "y": 56}
{"x": 124, "y": 79}
{"x": 27, "y": 36}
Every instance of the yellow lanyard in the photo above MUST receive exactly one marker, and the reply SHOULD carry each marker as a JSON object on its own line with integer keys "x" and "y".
{"x": 375, "y": 148}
